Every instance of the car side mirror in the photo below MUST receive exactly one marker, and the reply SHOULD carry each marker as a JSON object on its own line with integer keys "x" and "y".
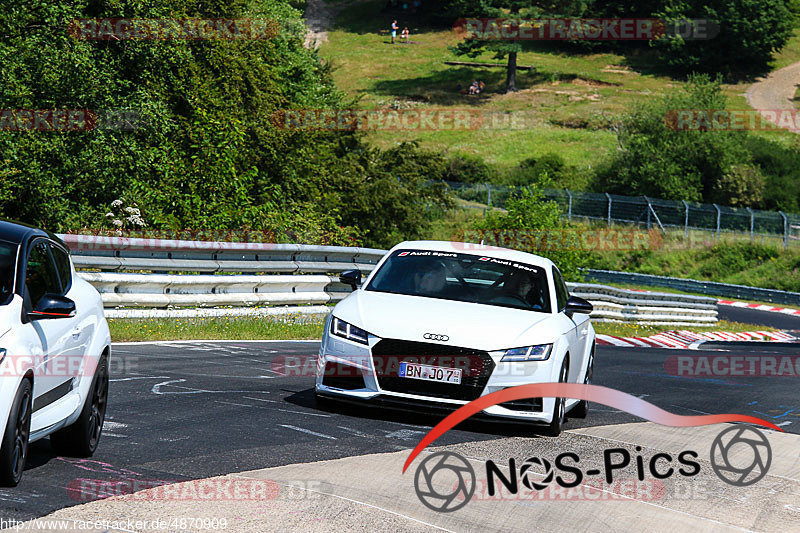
{"x": 53, "y": 306}
{"x": 351, "y": 277}
{"x": 576, "y": 304}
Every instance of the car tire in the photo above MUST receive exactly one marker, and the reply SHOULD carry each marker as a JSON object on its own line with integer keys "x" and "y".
{"x": 582, "y": 409}
{"x": 82, "y": 437}
{"x": 556, "y": 426}
{"x": 14, "y": 448}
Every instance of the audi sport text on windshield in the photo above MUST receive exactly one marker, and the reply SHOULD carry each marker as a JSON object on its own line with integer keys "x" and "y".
{"x": 464, "y": 278}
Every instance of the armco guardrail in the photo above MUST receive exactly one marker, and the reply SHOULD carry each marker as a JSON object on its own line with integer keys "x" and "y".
{"x": 726, "y": 290}
{"x": 160, "y": 255}
{"x": 158, "y": 294}
{"x": 612, "y": 304}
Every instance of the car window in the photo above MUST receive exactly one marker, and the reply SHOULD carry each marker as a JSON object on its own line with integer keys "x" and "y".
{"x": 464, "y": 278}
{"x": 40, "y": 274}
{"x": 62, "y": 265}
{"x": 562, "y": 293}
{"x": 8, "y": 260}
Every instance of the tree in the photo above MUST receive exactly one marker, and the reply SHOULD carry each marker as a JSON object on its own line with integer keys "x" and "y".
{"x": 656, "y": 159}
{"x": 474, "y": 45}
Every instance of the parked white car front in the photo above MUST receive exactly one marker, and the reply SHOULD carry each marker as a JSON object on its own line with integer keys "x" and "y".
{"x": 445, "y": 323}
{"x": 54, "y": 351}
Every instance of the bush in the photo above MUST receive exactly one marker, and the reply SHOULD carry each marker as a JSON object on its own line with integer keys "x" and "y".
{"x": 524, "y": 226}
{"x": 661, "y": 162}
{"x": 465, "y": 168}
{"x": 750, "y": 32}
{"x": 542, "y": 171}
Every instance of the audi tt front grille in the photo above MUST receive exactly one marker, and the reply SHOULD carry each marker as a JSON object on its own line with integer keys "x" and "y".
{"x": 476, "y": 367}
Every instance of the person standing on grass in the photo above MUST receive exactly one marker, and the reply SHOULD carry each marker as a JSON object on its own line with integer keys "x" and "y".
{"x": 394, "y": 30}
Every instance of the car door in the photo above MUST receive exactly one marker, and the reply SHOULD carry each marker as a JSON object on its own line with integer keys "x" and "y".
{"x": 55, "y": 334}
{"x": 576, "y": 355}
{"x": 85, "y": 323}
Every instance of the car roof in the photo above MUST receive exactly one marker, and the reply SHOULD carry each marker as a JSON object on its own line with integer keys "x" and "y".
{"x": 19, "y": 232}
{"x": 477, "y": 249}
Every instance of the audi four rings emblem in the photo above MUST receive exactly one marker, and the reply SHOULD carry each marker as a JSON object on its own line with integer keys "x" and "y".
{"x": 435, "y": 337}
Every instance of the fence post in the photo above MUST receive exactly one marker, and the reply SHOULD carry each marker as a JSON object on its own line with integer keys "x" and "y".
{"x": 686, "y": 220}
{"x": 609, "y": 208}
{"x": 649, "y": 209}
{"x": 752, "y": 220}
{"x": 719, "y": 214}
{"x": 488, "y": 195}
{"x": 569, "y": 207}
{"x": 785, "y": 230}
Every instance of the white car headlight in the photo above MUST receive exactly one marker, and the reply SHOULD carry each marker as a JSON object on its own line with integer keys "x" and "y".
{"x": 340, "y": 328}
{"x": 540, "y": 352}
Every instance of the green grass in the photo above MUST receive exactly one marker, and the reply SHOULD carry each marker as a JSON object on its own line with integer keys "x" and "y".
{"x": 127, "y": 330}
{"x": 638, "y": 330}
{"x": 568, "y": 99}
{"x": 239, "y": 328}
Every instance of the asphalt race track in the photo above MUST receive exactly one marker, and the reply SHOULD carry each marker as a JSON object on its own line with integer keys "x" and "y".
{"x": 188, "y": 410}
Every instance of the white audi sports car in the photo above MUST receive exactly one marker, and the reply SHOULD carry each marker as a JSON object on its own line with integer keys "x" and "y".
{"x": 54, "y": 351}
{"x": 443, "y": 323}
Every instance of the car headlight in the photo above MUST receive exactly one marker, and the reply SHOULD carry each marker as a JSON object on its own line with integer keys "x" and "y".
{"x": 540, "y": 352}
{"x": 340, "y": 328}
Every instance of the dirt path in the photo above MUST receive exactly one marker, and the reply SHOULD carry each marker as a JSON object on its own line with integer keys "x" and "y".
{"x": 776, "y": 91}
{"x": 319, "y": 17}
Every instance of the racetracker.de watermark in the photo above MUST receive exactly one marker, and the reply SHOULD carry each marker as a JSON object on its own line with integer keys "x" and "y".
{"x": 732, "y": 120}
{"x": 401, "y": 120}
{"x": 584, "y": 29}
{"x": 733, "y": 365}
{"x": 121, "y": 29}
{"x": 69, "y": 120}
{"x": 607, "y": 239}
{"x": 204, "y": 490}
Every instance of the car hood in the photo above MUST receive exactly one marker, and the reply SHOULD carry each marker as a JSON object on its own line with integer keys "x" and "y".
{"x": 470, "y": 325}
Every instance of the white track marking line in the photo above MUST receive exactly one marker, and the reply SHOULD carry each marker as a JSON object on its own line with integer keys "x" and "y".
{"x": 260, "y": 399}
{"x": 233, "y": 403}
{"x": 308, "y": 431}
{"x": 353, "y": 431}
{"x": 300, "y": 412}
{"x": 138, "y": 377}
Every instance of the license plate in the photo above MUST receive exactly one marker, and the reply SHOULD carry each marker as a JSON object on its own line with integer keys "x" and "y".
{"x": 430, "y": 373}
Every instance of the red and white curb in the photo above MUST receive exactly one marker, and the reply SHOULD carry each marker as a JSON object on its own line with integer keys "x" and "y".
{"x": 682, "y": 339}
{"x": 760, "y": 307}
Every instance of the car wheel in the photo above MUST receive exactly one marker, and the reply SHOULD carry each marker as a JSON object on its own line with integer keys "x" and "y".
{"x": 582, "y": 409}
{"x": 14, "y": 449}
{"x": 556, "y": 426}
{"x": 82, "y": 437}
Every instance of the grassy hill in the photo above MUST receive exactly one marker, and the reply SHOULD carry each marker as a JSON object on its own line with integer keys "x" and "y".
{"x": 571, "y": 97}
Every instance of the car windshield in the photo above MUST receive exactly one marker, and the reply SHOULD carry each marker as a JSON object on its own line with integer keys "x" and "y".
{"x": 464, "y": 278}
{"x": 8, "y": 258}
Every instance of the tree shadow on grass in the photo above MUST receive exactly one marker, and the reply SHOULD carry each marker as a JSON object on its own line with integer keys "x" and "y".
{"x": 444, "y": 87}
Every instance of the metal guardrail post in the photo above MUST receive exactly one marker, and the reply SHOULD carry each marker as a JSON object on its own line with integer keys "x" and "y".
{"x": 686, "y": 220}
{"x": 609, "y": 208}
{"x": 785, "y": 230}
{"x": 569, "y": 207}
{"x": 719, "y": 215}
{"x": 488, "y": 195}
{"x": 752, "y": 224}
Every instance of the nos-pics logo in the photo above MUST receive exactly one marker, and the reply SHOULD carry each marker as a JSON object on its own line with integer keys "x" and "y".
{"x": 445, "y": 481}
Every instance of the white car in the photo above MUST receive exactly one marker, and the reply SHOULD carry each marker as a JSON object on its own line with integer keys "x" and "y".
{"x": 443, "y": 323}
{"x": 54, "y": 351}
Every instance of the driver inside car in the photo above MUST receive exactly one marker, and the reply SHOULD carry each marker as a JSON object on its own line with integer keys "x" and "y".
{"x": 431, "y": 281}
